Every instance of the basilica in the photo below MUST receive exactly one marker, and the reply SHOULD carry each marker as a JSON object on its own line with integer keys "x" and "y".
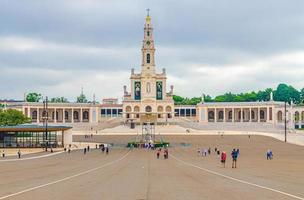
{"x": 149, "y": 100}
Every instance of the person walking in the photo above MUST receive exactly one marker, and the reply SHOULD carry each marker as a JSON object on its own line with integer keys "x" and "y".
{"x": 3, "y": 154}
{"x": 269, "y": 154}
{"x": 84, "y": 151}
{"x": 158, "y": 153}
{"x": 107, "y": 150}
{"x": 234, "y": 155}
{"x": 223, "y": 158}
{"x": 19, "y": 154}
{"x": 198, "y": 151}
{"x": 69, "y": 151}
{"x": 88, "y": 148}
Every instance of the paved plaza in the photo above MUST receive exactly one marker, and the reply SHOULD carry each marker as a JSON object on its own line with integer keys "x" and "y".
{"x": 137, "y": 174}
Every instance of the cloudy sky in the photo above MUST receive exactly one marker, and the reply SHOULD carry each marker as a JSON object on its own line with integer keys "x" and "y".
{"x": 55, "y": 47}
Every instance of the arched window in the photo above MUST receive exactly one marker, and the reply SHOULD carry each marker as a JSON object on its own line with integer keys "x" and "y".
{"x": 221, "y": 115}
{"x": 230, "y": 115}
{"x": 76, "y": 116}
{"x": 66, "y": 115}
{"x": 240, "y": 115}
{"x": 85, "y": 115}
{"x": 297, "y": 116}
{"x": 34, "y": 114}
{"x": 252, "y": 115}
{"x": 148, "y": 33}
{"x": 128, "y": 109}
{"x": 262, "y": 114}
{"x": 148, "y": 109}
{"x": 148, "y": 58}
{"x": 211, "y": 115}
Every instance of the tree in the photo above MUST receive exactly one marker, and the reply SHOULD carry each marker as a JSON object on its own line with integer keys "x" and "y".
{"x": 33, "y": 97}
{"x": 59, "y": 100}
{"x": 302, "y": 96}
{"x": 287, "y": 93}
{"x": 12, "y": 117}
{"x": 82, "y": 98}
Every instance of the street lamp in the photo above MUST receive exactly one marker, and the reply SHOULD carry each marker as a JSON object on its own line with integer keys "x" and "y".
{"x": 45, "y": 120}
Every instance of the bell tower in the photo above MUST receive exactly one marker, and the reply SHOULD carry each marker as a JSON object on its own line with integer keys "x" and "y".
{"x": 148, "y": 50}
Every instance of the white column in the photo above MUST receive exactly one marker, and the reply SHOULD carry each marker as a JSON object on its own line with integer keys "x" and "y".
{"x": 63, "y": 115}
{"x": 233, "y": 116}
{"x": 206, "y": 115}
{"x": 55, "y": 115}
{"x": 91, "y": 115}
{"x": 224, "y": 120}
{"x": 38, "y": 116}
{"x": 215, "y": 115}
{"x": 267, "y": 114}
{"x": 259, "y": 117}
{"x": 242, "y": 116}
{"x": 72, "y": 115}
{"x": 250, "y": 120}
{"x": 29, "y": 112}
{"x": 81, "y": 115}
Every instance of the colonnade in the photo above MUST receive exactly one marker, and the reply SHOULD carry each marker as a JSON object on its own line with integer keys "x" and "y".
{"x": 59, "y": 115}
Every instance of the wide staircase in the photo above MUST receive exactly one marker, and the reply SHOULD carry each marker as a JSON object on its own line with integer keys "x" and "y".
{"x": 221, "y": 126}
{"x": 106, "y": 124}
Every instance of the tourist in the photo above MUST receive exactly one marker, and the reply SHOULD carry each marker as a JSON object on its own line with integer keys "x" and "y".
{"x": 218, "y": 153}
{"x": 234, "y": 155}
{"x": 269, "y": 154}
{"x": 19, "y": 154}
{"x": 209, "y": 150}
{"x": 52, "y": 150}
{"x": 64, "y": 149}
{"x": 84, "y": 151}
{"x": 223, "y": 158}
{"x": 96, "y": 146}
{"x": 166, "y": 153}
{"x": 103, "y": 149}
{"x": 158, "y": 153}
{"x": 3, "y": 154}
{"x": 88, "y": 148}
{"x": 205, "y": 152}
{"x": 69, "y": 151}
{"x": 107, "y": 150}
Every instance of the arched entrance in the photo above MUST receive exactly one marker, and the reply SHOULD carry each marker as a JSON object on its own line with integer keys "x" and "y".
{"x": 148, "y": 109}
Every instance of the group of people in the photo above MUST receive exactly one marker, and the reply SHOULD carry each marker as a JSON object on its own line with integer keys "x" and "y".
{"x": 203, "y": 152}
{"x": 166, "y": 153}
{"x": 234, "y": 155}
{"x": 221, "y": 154}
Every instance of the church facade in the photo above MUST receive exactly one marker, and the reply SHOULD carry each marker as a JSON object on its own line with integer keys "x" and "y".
{"x": 148, "y": 96}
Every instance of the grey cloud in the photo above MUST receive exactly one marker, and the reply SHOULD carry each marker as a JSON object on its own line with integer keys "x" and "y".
{"x": 95, "y": 43}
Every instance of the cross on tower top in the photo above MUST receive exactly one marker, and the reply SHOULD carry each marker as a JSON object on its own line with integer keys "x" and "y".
{"x": 148, "y": 11}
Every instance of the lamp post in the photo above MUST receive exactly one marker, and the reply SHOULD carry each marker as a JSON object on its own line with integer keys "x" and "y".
{"x": 45, "y": 120}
